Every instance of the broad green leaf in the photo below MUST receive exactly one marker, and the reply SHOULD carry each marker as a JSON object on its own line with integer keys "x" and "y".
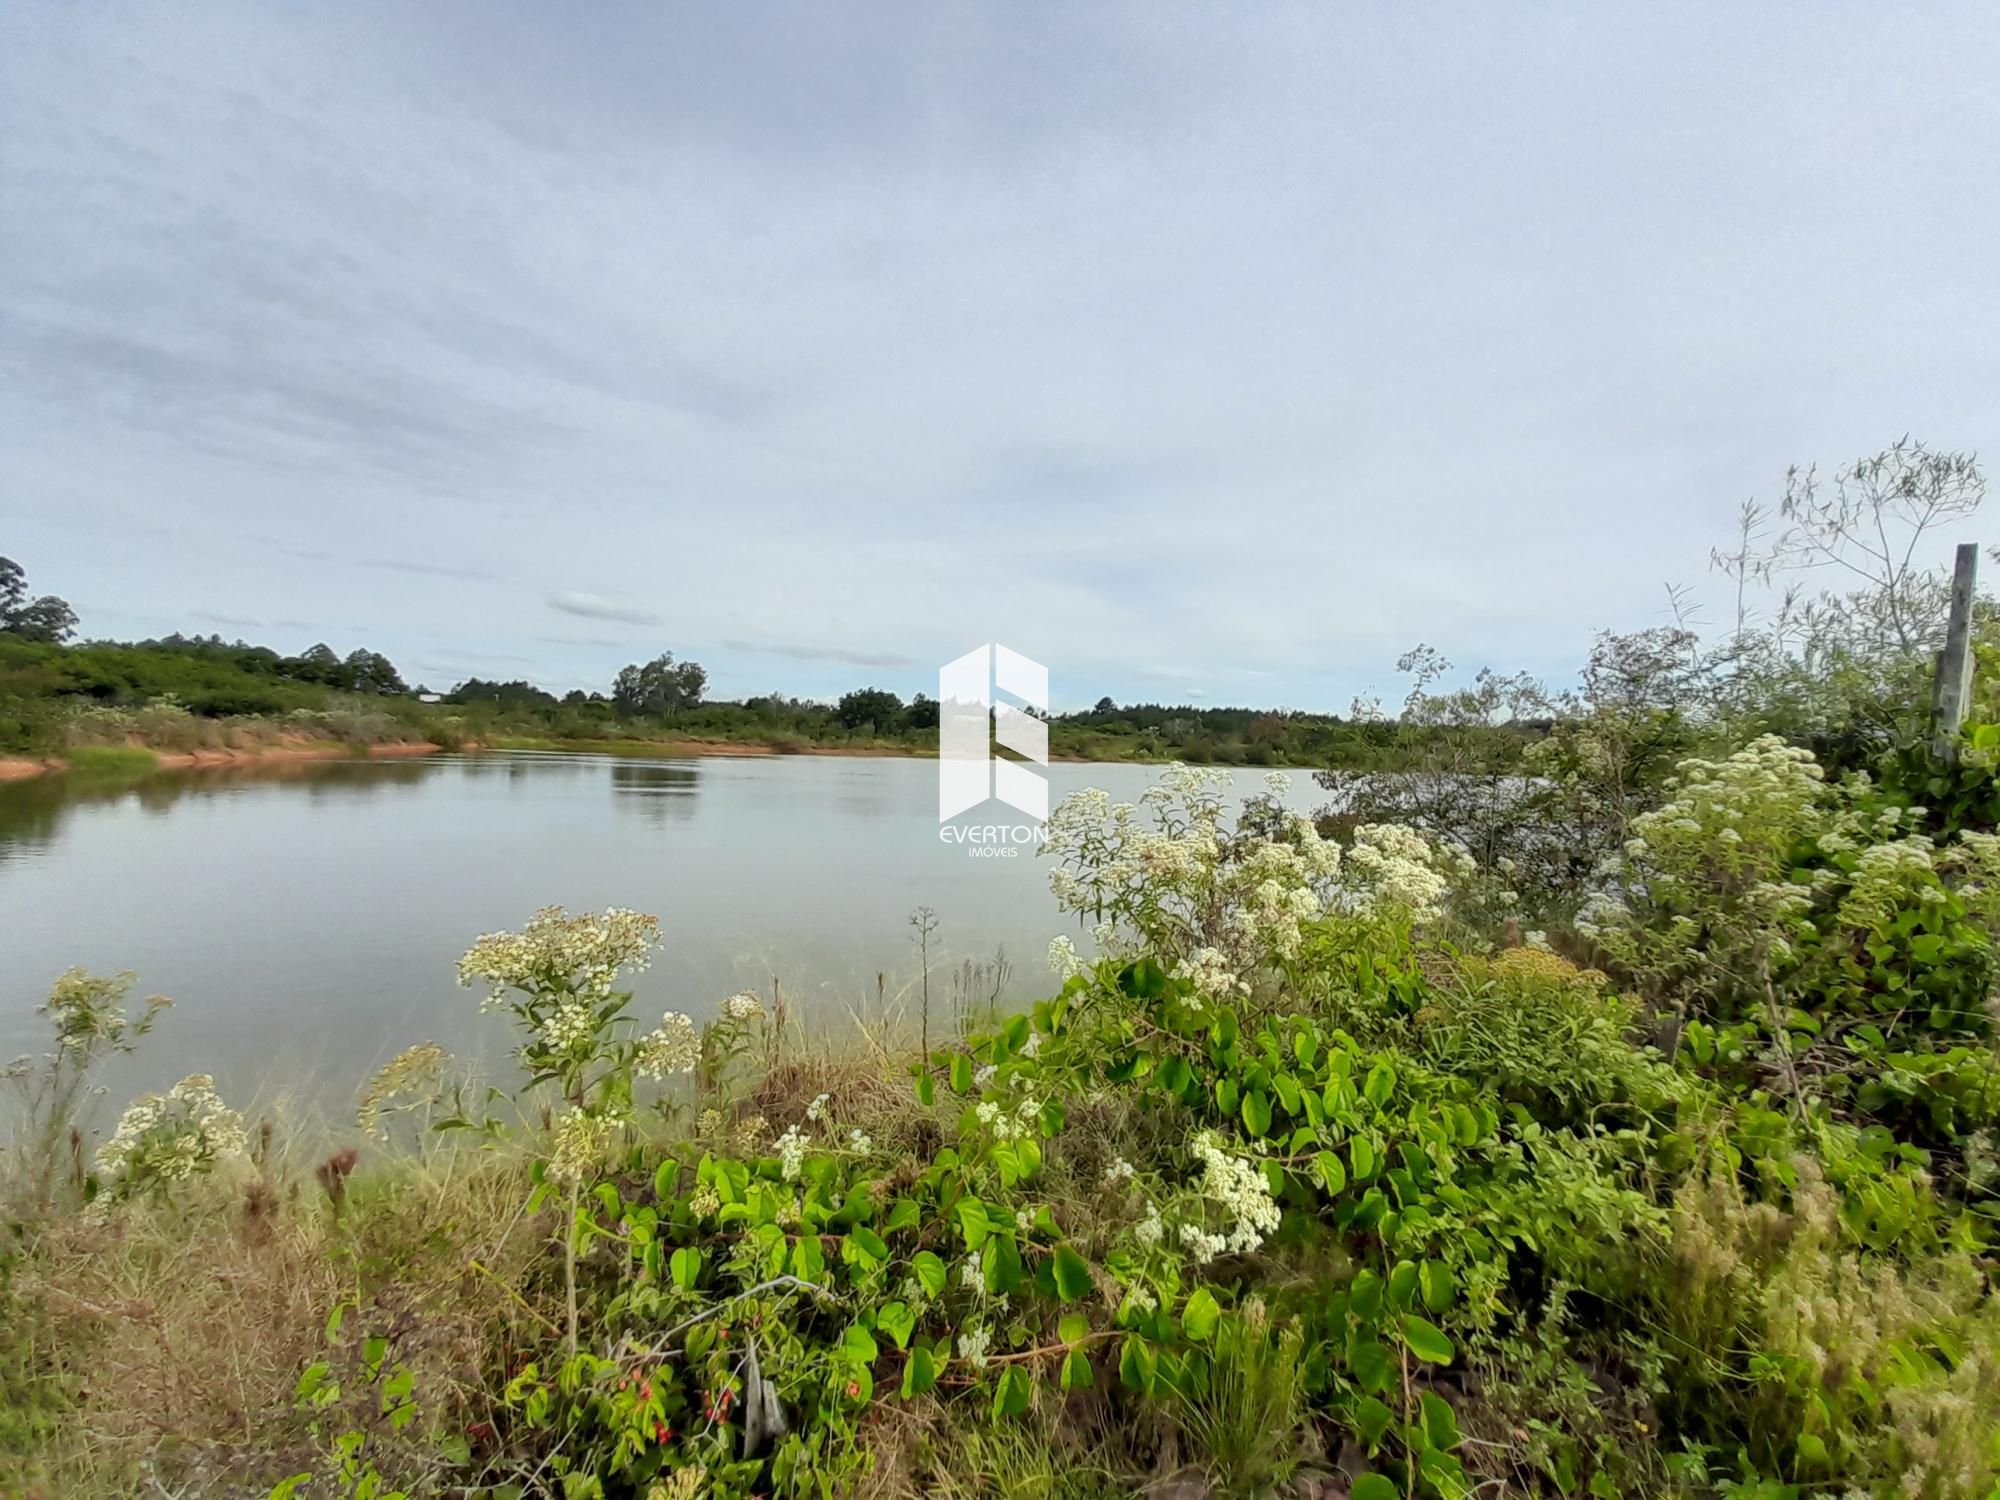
{"x": 859, "y": 1345}
{"x": 1374, "y": 1487}
{"x": 1437, "y": 1288}
{"x": 1403, "y": 1285}
{"x": 808, "y": 1259}
{"x": 1361, "y": 1158}
{"x": 1076, "y": 1372}
{"x": 1135, "y": 1364}
{"x": 1440, "y": 1424}
{"x": 961, "y": 1074}
{"x": 1372, "y": 1419}
{"x": 973, "y": 1222}
{"x": 1426, "y": 1340}
{"x": 919, "y": 1372}
{"x": 1331, "y": 1173}
{"x": 1380, "y": 1085}
{"x": 686, "y": 1267}
{"x": 896, "y": 1320}
{"x": 1368, "y": 1361}
{"x": 1227, "y": 1095}
{"x": 1073, "y": 1327}
{"x": 1072, "y": 1274}
{"x": 1199, "y": 1317}
{"x": 929, "y": 1271}
{"x": 1012, "y": 1395}
{"x": 1257, "y": 1113}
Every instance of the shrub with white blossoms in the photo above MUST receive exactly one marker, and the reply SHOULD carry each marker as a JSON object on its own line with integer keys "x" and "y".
{"x": 163, "y": 1140}
{"x": 558, "y": 976}
{"x": 1759, "y": 880}
{"x": 1219, "y": 905}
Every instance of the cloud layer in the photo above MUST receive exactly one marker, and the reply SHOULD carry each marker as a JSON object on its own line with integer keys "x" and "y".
{"x": 1187, "y": 351}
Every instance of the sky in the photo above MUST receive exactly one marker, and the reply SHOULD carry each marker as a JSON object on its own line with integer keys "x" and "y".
{"x": 1202, "y": 352}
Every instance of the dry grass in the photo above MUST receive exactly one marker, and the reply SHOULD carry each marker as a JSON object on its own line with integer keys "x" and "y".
{"x": 180, "y": 1333}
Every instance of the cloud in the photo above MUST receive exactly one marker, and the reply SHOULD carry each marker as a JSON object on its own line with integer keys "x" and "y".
{"x": 592, "y": 607}
{"x": 822, "y": 653}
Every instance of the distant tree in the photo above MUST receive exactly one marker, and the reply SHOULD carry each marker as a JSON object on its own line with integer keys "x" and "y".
{"x": 661, "y": 686}
{"x": 1105, "y": 707}
{"x": 510, "y": 694}
{"x": 574, "y": 697}
{"x": 48, "y": 620}
{"x": 922, "y": 713}
{"x": 877, "y": 706}
{"x": 13, "y": 587}
{"x": 372, "y": 672}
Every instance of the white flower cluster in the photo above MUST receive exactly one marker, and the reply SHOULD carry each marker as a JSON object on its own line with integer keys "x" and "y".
{"x": 858, "y": 1140}
{"x": 1219, "y": 906}
{"x": 171, "y": 1137}
{"x": 1150, "y": 1230}
{"x": 742, "y": 1007}
{"x": 1006, "y": 1125}
{"x": 1063, "y": 958}
{"x": 582, "y": 955}
{"x": 973, "y": 1345}
{"x": 674, "y": 1046}
{"x": 1244, "y": 1195}
{"x": 816, "y": 1111}
{"x": 1392, "y": 866}
{"x": 792, "y": 1153}
{"x": 578, "y": 1144}
{"x": 571, "y": 1027}
{"x": 1119, "y": 1171}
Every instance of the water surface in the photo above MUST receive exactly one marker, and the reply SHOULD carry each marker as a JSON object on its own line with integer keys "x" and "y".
{"x": 306, "y": 919}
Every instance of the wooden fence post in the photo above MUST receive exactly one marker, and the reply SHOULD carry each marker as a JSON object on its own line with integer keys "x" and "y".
{"x": 1954, "y": 669}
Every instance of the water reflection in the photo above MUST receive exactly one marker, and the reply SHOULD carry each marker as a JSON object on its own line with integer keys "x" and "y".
{"x": 657, "y": 790}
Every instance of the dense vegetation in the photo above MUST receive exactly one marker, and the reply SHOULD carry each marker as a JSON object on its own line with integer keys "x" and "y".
{"x": 1620, "y": 1118}
{"x": 184, "y": 692}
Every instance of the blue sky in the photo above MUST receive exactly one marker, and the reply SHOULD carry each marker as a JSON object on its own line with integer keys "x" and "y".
{"x": 1199, "y": 352}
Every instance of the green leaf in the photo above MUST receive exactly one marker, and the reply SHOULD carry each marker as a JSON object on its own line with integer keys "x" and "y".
{"x": 686, "y": 1267}
{"x": 1136, "y": 1366}
{"x": 1227, "y": 1095}
{"x": 926, "y": 1087}
{"x": 1440, "y": 1424}
{"x": 809, "y": 1259}
{"x": 1368, "y": 1360}
{"x": 1076, "y": 1371}
{"x": 1331, "y": 1173}
{"x": 1001, "y": 1261}
{"x": 1403, "y": 1285}
{"x": 1072, "y": 1274}
{"x": 1426, "y": 1340}
{"x": 1012, "y": 1395}
{"x": 1288, "y": 1092}
{"x": 1361, "y": 1158}
{"x": 905, "y": 1215}
{"x": 919, "y": 1372}
{"x": 286, "y": 1488}
{"x": 1437, "y": 1289}
{"x": 896, "y": 1320}
{"x": 1257, "y": 1113}
{"x": 929, "y": 1271}
{"x": 1372, "y": 1419}
{"x": 973, "y": 1222}
{"x": 1202, "y": 1313}
{"x": 1374, "y": 1487}
{"x": 1380, "y": 1085}
{"x": 961, "y": 1074}
{"x": 859, "y": 1345}
{"x": 1073, "y": 1328}
{"x": 1304, "y": 1047}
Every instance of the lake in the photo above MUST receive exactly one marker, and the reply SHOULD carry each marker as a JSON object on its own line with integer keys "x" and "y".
{"x": 306, "y": 918}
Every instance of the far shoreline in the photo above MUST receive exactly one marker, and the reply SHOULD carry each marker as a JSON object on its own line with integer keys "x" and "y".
{"x": 128, "y": 759}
